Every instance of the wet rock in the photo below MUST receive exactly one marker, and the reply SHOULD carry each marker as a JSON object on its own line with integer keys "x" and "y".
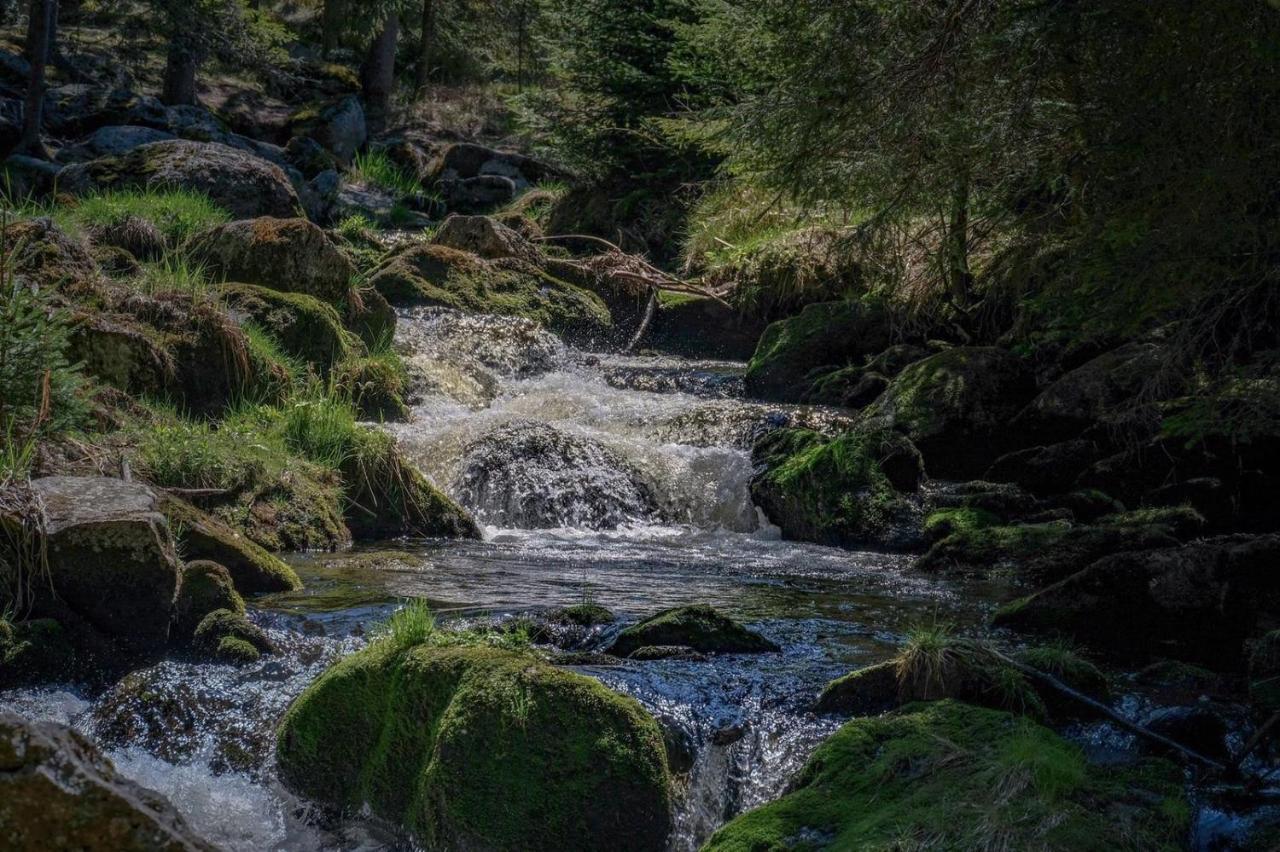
{"x": 839, "y": 491}
{"x": 534, "y": 476}
{"x": 699, "y": 627}
{"x": 1004, "y": 500}
{"x": 242, "y": 183}
{"x": 699, "y": 327}
{"x": 649, "y": 653}
{"x": 956, "y": 406}
{"x": 1196, "y": 727}
{"x": 201, "y": 536}
{"x": 222, "y": 624}
{"x": 1199, "y": 602}
{"x": 58, "y": 792}
{"x": 826, "y": 334}
{"x": 1045, "y": 470}
{"x": 289, "y": 255}
{"x": 110, "y": 557}
{"x": 866, "y": 692}
{"x": 582, "y": 615}
{"x": 927, "y": 772}
{"x": 205, "y": 587}
{"x": 425, "y": 274}
{"x": 573, "y": 764}
{"x": 35, "y": 651}
{"x": 338, "y": 126}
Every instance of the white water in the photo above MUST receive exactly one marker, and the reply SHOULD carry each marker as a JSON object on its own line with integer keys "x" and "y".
{"x": 622, "y": 479}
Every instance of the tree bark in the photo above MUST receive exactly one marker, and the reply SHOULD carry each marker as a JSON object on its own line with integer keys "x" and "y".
{"x": 331, "y": 24}
{"x": 378, "y": 76}
{"x": 40, "y": 29}
{"x": 180, "y": 75}
{"x": 423, "y": 69}
{"x": 960, "y": 277}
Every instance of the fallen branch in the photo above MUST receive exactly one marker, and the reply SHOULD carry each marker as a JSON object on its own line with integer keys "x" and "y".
{"x": 1111, "y": 715}
{"x": 1255, "y": 740}
{"x": 649, "y": 310}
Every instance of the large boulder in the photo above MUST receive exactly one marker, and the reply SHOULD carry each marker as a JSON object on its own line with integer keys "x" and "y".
{"x": 74, "y": 109}
{"x": 241, "y": 182}
{"x": 464, "y": 160}
{"x": 290, "y": 255}
{"x": 484, "y": 237}
{"x": 698, "y": 627}
{"x": 1201, "y": 602}
{"x": 839, "y": 491}
{"x": 827, "y": 334}
{"x": 476, "y": 748}
{"x": 109, "y": 556}
{"x": 446, "y": 277}
{"x": 305, "y": 327}
{"x": 956, "y": 407}
{"x": 57, "y": 792}
{"x": 339, "y": 127}
{"x": 943, "y": 775}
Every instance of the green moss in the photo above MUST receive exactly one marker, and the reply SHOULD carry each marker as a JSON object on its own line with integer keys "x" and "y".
{"x": 945, "y": 522}
{"x": 991, "y": 546}
{"x": 205, "y": 587}
{"x": 375, "y": 384}
{"x": 952, "y": 776}
{"x": 1182, "y": 521}
{"x": 223, "y": 623}
{"x": 306, "y": 328}
{"x": 433, "y": 739}
{"x": 583, "y": 615}
{"x": 236, "y": 651}
{"x": 831, "y": 491}
{"x": 448, "y": 278}
{"x": 699, "y": 627}
{"x": 201, "y": 536}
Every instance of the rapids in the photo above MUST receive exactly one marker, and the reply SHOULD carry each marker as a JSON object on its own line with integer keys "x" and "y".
{"x": 619, "y": 480}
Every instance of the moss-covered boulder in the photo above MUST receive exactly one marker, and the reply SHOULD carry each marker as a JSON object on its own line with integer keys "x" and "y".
{"x": 291, "y": 255}
{"x": 858, "y": 385}
{"x": 956, "y": 407}
{"x": 839, "y": 491}
{"x": 387, "y": 496}
{"x": 109, "y": 557}
{"x": 213, "y": 631}
{"x": 476, "y": 748}
{"x": 952, "y": 776}
{"x": 305, "y": 327}
{"x": 205, "y": 587}
{"x": 42, "y": 253}
{"x": 827, "y": 334}
{"x": 1201, "y": 602}
{"x": 376, "y": 385}
{"x": 58, "y": 792}
{"x": 338, "y": 126}
{"x": 699, "y": 627}
{"x": 236, "y": 180}
{"x": 448, "y": 278}
{"x": 202, "y": 536}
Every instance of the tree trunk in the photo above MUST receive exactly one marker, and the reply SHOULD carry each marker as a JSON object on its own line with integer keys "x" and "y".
{"x": 959, "y": 276}
{"x": 331, "y": 20}
{"x": 378, "y": 76}
{"x": 40, "y": 29}
{"x": 424, "y": 48}
{"x": 180, "y": 75}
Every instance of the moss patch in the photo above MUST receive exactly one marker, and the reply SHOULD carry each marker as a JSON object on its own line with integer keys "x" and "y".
{"x": 434, "y": 739}
{"x": 699, "y": 627}
{"x": 952, "y": 776}
{"x": 306, "y": 328}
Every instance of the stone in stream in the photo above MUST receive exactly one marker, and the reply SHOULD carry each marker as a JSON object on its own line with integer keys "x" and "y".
{"x": 964, "y": 777}
{"x": 110, "y": 558}
{"x": 477, "y": 748}
{"x": 698, "y": 628}
{"x": 201, "y": 536}
{"x": 58, "y": 792}
{"x": 205, "y": 587}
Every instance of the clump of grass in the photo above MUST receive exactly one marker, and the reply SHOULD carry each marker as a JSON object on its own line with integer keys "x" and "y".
{"x": 264, "y": 348}
{"x": 184, "y": 454}
{"x": 356, "y": 228}
{"x": 174, "y": 272}
{"x": 177, "y": 213}
{"x": 930, "y": 661}
{"x": 537, "y": 202}
{"x": 320, "y": 427}
{"x": 410, "y": 626}
{"x": 377, "y": 169}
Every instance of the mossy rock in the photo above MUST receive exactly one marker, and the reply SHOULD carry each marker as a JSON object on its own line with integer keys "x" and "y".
{"x": 43, "y": 254}
{"x": 868, "y": 691}
{"x": 967, "y": 521}
{"x": 388, "y": 497}
{"x": 476, "y": 748}
{"x": 305, "y": 327}
{"x": 449, "y": 278}
{"x": 232, "y": 649}
{"x": 827, "y": 334}
{"x": 291, "y": 255}
{"x": 202, "y": 536}
{"x": 838, "y": 491}
{"x": 956, "y": 407}
{"x": 582, "y": 615}
{"x": 699, "y": 627}
{"x": 1044, "y": 552}
{"x": 952, "y": 776}
{"x": 376, "y": 386}
{"x": 223, "y": 623}
{"x": 205, "y": 587}
{"x": 701, "y": 327}
{"x": 1182, "y": 522}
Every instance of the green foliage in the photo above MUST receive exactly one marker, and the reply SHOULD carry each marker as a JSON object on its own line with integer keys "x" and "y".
{"x": 185, "y": 454}
{"x": 410, "y": 626}
{"x": 377, "y": 169}
{"x": 177, "y": 213}
{"x": 174, "y": 272}
{"x": 320, "y": 427}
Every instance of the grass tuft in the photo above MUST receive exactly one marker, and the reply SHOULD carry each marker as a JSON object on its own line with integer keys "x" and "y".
{"x": 377, "y": 169}
{"x": 410, "y": 626}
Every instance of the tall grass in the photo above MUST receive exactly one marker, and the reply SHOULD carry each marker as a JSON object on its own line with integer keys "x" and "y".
{"x": 377, "y": 169}
{"x": 176, "y": 213}
{"x": 321, "y": 427}
{"x": 174, "y": 272}
{"x": 410, "y": 626}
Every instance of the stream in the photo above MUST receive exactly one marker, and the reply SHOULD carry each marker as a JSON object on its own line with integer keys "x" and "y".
{"x": 619, "y": 480}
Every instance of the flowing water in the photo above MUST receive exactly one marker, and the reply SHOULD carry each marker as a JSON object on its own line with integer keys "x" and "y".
{"x": 619, "y": 480}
